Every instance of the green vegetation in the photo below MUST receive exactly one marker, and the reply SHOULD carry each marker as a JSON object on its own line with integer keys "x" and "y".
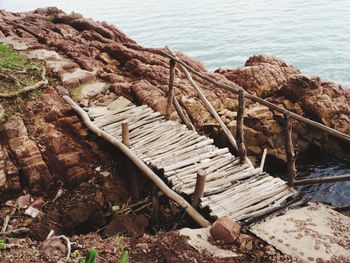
{"x": 16, "y": 71}
{"x": 10, "y": 59}
{"x": 124, "y": 258}
{"x": 90, "y": 257}
{"x": 2, "y": 244}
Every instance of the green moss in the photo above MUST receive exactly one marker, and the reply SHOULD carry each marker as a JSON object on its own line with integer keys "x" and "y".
{"x": 10, "y": 59}
{"x": 16, "y": 71}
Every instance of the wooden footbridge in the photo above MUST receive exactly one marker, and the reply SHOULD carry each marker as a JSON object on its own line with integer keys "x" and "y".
{"x": 187, "y": 166}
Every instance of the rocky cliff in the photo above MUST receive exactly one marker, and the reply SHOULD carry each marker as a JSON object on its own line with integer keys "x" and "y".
{"x": 95, "y": 62}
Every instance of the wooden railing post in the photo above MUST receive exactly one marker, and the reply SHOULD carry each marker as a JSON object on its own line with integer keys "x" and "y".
{"x": 240, "y": 132}
{"x": 171, "y": 87}
{"x": 289, "y": 149}
{"x": 125, "y": 134}
{"x": 199, "y": 188}
{"x": 131, "y": 176}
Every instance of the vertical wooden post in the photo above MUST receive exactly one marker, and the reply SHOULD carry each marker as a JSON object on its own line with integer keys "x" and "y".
{"x": 125, "y": 134}
{"x": 199, "y": 188}
{"x": 171, "y": 87}
{"x": 240, "y": 133}
{"x": 155, "y": 205}
{"x": 131, "y": 178}
{"x": 289, "y": 149}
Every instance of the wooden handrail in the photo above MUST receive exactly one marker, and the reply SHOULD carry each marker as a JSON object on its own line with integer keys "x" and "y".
{"x": 270, "y": 105}
{"x": 208, "y": 106}
{"x": 320, "y": 180}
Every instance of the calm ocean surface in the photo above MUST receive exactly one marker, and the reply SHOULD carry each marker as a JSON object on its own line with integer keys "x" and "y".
{"x": 312, "y": 35}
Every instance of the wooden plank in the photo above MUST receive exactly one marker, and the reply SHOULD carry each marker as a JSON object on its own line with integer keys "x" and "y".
{"x": 247, "y": 201}
{"x": 272, "y": 206}
{"x": 244, "y": 194}
{"x": 194, "y": 159}
{"x": 240, "y": 214}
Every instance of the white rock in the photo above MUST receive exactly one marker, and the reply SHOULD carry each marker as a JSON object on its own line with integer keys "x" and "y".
{"x": 31, "y": 211}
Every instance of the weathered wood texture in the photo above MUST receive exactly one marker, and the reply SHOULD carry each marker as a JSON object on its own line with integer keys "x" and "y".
{"x": 177, "y": 153}
{"x": 139, "y": 163}
{"x": 321, "y": 180}
{"x": 240, "y": 132}
{"x": 199, "y": 188}
{"x": 171, "y": 87}
{"x": 291, "y": 171}
{"x": 131, "y": 177}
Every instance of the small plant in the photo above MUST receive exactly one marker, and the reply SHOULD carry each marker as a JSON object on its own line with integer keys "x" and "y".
{"x": 124, "y": 258}
{"x": 2, "y": 244}
{"x": 90, "y": 257}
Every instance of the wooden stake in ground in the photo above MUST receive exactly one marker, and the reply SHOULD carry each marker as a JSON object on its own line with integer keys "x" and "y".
{"x": 132, "y": 178}
{"x": 240, "y": 132}
{"x": 199, "y": 188}
{"x": 289, "y": 149}
{"x": 171, "y": 88}
{"x": 155, "y": 205}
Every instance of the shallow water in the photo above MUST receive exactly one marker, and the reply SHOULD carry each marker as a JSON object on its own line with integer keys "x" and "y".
{"x": 312, "y": 35}
{"x": 336, "y": 194}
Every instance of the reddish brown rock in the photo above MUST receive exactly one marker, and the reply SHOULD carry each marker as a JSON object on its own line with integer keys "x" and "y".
{"x": 54, "y": 248}
{"x": 262, "y": 75}
{"x": 225, "y": 230}
{"x": 142, "y": 75}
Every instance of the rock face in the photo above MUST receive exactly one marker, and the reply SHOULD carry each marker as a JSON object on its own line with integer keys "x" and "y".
{"x": 83, "y": 51}
{"x": 262, "y": 75}
{"x": 44, "y": 146}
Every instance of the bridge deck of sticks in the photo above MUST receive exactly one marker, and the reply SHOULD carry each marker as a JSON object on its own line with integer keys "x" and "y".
{"x": 176, "y": 153}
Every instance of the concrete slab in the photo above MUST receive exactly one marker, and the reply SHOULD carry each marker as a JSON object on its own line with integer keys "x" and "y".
{"x": 198, "y": 239}
{"x": 314, "y": 233}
